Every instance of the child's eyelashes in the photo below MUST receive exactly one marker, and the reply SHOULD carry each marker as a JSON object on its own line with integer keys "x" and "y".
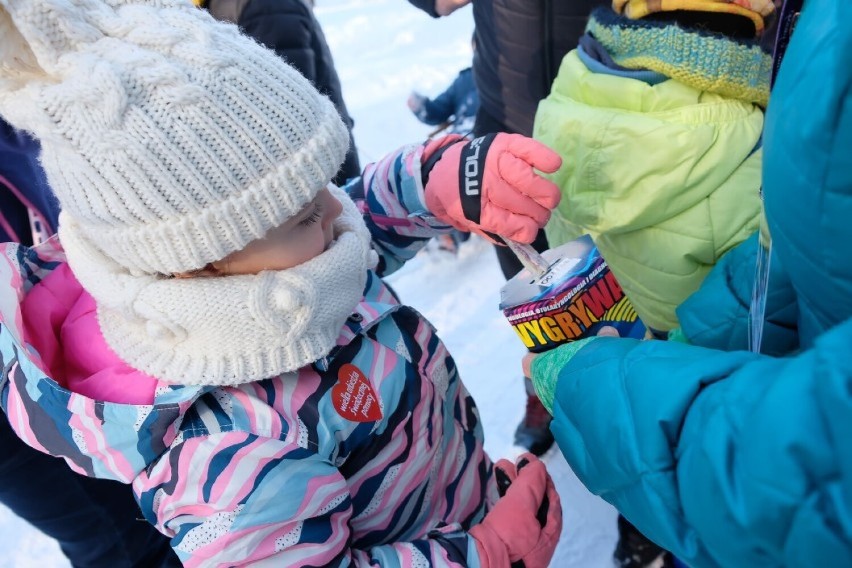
{"x": 315, "y": 216}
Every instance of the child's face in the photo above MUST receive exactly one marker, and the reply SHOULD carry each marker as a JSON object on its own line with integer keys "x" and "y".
{"x": 304, "y": 236}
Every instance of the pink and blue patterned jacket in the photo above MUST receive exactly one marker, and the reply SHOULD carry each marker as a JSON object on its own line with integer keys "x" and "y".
{"x": 274, "y": 473}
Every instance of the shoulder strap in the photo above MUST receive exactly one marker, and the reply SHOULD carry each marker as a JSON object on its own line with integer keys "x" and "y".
{"x": 227, "y": 10}
{"x": 39, "y": 227}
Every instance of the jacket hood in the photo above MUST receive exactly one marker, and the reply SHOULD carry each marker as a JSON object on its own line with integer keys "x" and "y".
{"x": 127, "y": 437}
{"x": 690, "y": 143}
{"x": 664, "y": 177}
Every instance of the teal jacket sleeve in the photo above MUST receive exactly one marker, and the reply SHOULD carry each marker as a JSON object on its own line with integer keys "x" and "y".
{"x": 716, "y": 315}
{"x": 726, "y": 459}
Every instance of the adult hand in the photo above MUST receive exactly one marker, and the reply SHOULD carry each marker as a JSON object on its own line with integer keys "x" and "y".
{"x": 447, "y": 7}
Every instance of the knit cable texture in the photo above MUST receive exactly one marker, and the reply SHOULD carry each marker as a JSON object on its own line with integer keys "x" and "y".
{"x": 229, "y": 330}
{"x": 171, "y": 139}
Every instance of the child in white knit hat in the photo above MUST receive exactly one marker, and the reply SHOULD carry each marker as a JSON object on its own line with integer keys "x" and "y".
{"x": 211, "y": 326}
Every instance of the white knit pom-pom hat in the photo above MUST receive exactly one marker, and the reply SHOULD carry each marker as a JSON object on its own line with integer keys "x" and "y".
{"x": 171, "y": 139}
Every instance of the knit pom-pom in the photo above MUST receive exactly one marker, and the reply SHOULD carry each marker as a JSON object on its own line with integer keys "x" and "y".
{"x": 17, "y": 60}
{"x": 372, "y": 259}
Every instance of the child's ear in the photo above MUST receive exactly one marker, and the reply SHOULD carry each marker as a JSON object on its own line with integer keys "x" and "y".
{"x": 209, "y": 270}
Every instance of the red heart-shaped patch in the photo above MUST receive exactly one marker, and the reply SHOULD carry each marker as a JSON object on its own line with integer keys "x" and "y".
{"x": 353, "y": 397}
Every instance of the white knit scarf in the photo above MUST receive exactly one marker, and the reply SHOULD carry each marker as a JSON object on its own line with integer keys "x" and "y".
{"x": 227, "y": 330}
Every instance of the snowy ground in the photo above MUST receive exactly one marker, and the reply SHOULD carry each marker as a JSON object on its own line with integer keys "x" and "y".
{"x": 384, "y": 49}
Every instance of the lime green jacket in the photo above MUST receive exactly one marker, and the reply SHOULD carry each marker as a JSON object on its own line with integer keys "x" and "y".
{"x": 665, "y": 178}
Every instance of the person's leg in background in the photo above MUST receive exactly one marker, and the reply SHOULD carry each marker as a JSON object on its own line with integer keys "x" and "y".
{"x": 96, "y": 522}
{"x": 533, "y": 432}
{"x": 635, "y": 550}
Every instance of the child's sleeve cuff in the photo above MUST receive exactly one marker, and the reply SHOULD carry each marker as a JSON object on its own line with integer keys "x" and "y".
{"x": 547, "y": 366}
{"x": 677, "y": 335}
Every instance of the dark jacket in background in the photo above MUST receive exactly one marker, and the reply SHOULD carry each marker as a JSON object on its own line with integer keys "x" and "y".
{"x": 290, "y": 28}
{"x": 22, "y": 187}
{"x": 519, "y": 46}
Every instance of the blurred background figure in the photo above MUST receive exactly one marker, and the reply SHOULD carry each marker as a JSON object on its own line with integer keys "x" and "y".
{"x": 451, "y": 112}
{"x": 454, "y": 110}
{"x": 290, "y": 29}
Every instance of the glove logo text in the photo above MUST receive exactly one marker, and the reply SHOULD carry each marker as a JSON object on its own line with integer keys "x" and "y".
{"x": 471, "y": 169}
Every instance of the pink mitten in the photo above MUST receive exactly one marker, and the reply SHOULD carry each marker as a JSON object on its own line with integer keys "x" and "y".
{"x": 489, "y": 185}
{"x": 524, "y": 525}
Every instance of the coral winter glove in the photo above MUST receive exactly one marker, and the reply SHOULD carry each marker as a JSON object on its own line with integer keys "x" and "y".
{"x": 524, "y": 526}
{"x": 489, "y": 185}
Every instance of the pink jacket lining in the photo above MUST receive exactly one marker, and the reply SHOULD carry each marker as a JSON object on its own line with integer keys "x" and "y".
{"x": 60, "y": 322}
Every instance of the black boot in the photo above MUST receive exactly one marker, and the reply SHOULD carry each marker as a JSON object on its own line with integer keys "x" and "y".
{"x": 634, "y": 550}
{"x": 533, "y": 433}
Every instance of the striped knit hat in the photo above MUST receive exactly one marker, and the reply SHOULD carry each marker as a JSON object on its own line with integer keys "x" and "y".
{"x": 711, "y": 62}
{"x": 755, "y": 10}
{"x": 170, "y": 139}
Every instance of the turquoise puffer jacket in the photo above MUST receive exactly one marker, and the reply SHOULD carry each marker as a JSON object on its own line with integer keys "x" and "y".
{"x": 730, "y": 458}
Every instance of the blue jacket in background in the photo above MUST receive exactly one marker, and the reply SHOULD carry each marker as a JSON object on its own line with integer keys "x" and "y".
{"x": 458, "y": 103}
{"x": 21, "y": 176}
{"x": 731, "y": 458}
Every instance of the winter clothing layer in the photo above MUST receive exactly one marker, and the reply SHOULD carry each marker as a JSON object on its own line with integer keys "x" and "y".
{"x": 290, "y": 29}
{"x": 664, "y": 177}
{"x": 737, "y": 458}
{"x": 94, "y": 521}
{"x": 370, "y": 456}
{"x": 458, "y": 103}
{"x": 717, "y": 315}
{"x": 754, "y": 10}
{"x": 90, "y": 366}
{"x": 519, "y": 45}
{"x": 201, "y": 140}
{"x": 705, "y": 61}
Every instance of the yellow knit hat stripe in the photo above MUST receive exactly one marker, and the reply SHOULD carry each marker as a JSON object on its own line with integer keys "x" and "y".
{"x": 754, "y": 10}
{"x": 711, "y": 63}
{"x": 721, "y": 84}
